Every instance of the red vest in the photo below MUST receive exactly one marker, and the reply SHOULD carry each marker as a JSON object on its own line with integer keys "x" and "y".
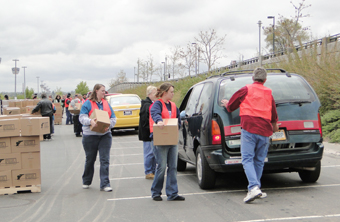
{"x": 106, "y": 107}
{"x": 165, "y": 113}
{"x": 67, "y": 105}
{"x": 258, "y": 102}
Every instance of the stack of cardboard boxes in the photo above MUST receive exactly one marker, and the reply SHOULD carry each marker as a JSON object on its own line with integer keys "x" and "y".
{"x": 20, "y": 152}
{"x": 58, "y": 114}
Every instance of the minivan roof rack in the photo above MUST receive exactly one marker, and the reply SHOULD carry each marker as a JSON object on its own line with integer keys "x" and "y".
{"x": 248, "y": 71}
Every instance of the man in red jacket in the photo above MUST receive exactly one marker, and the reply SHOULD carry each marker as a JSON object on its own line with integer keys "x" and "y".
{"x": 258, "y": 121}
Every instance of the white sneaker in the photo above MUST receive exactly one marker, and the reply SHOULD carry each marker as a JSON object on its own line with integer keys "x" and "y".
{"x": 264, "y": 195}
{"x": 107, "y": 189}
{"x": 86, "y": 186}
{"x": 253, "y": 194}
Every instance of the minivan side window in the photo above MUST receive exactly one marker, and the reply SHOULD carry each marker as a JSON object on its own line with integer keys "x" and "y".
{"x": 193, "y": 100}
{"x": 206, "y": 96}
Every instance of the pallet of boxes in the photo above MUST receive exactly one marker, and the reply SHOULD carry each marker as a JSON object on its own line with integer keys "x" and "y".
{"x": 58, "y": 114}
{"x": 20, "y": 152}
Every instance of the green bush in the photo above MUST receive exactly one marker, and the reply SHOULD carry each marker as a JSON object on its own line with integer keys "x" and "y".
{"x": 331, "y": 125}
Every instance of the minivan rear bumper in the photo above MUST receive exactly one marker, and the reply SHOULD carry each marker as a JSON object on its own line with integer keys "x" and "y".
{"x": 276, "y": 162}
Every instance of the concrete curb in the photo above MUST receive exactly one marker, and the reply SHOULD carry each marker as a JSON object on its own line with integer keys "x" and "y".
{"x": 332, "y": 148}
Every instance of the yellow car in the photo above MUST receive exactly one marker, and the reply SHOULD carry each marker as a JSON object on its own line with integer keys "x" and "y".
{"x": 126, "y": 108}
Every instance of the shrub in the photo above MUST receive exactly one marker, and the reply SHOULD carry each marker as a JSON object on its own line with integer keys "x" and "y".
{"x": 331, "y": 125}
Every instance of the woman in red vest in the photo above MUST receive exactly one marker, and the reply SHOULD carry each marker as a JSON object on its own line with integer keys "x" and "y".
{"x": 94, "y": 141}
{"x": 166, "y": 156}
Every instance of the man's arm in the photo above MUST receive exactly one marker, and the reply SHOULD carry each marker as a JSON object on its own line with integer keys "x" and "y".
{"x": 275, "y": 117}
{"x": 235, "y": 100}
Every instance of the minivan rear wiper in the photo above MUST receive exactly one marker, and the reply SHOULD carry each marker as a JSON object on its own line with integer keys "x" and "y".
{"x": 294, "y": 102}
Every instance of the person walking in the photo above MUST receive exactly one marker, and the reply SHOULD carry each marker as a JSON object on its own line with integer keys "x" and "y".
{"x": 77, "y": 125}
{"x": 94, "y": 142}
{"x": 46, "y": 109}
{"x": 144, "y": 132}
{"x": 258, "y": 122}
{"x": 68, "y": 100}
{"x": 167, "y": 155}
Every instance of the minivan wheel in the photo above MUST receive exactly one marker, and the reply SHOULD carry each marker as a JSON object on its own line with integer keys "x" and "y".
{"x": 206, "y": 177}
{"x": 311, "y": 176}
{"x": 181, "y": 165}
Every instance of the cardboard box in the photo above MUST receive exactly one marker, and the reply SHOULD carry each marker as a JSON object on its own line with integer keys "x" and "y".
{"x": 102, "y": 120}
{"x": 30, "y": 108}
{"x": 9, "y": 127}
{"x": 30, "y": 160}
{"x": 11, "y": 116}
{"x": 5, "y": 178}
{"x": 25, "y": 144}
{"x": 168, "y": 135}
{"x": 11, "y": 110}
{"x": 10, "y": 161}
{"x": 35, "y": 101}
{"x": 5, "y": 145}
{"x": 29, "y": 102}
{"x": 24, "y": 177}
{"x": 35, "y": 126}
{"x": 58, "y": 115}
{"x": 75, "y": 110}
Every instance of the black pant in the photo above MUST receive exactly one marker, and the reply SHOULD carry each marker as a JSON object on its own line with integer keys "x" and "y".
{"x": 77, "y": 127}
{"x": 48, "y": 136}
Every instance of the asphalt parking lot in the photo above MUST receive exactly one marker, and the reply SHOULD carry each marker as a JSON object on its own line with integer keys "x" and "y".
{"x": 63, "y": 199}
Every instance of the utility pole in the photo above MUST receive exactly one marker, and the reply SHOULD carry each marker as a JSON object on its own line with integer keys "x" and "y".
{"x": 15, "y": 73}
{"x": 38, "y": 84}
{"x": 24, "y": 67}
{"x": 260, "y": 56}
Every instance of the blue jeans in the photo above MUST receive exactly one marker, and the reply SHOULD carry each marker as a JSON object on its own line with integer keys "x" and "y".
{"x": 92, "y": 144}
{"x": 254, "y": 149}
{"x": 68, "y": 117}
{"x": 166, "y": 156}
{"x": 149, "y": 157}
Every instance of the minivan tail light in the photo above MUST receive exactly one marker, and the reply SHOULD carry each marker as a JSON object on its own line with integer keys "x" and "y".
{"x": 320, "y": 126}
{"x": 216, "y": 132}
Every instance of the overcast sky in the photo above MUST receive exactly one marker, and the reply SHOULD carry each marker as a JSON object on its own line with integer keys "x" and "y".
{"x": 66, "y": 42}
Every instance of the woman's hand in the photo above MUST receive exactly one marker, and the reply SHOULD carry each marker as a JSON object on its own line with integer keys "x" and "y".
{"x": 160, "y": 124}
{"x": 93, "y": 122}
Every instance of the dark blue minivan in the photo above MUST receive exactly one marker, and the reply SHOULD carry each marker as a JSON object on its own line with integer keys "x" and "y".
{"x": 209, "y": 136}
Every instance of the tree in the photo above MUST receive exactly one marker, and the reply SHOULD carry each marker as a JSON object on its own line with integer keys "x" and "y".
{"x": 29, "y": 93}
{"x": 188, "y": 57}
{"x": 288, "y": 31}
{"x": 174, "y": 62}
{"x": 82, "y": 88}
{"x": 211, "y": 46}
{"x": 58, "y": 91}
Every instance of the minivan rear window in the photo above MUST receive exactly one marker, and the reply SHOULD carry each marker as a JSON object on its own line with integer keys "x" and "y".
{"x": 124, "y": 100}
{"x": 288, "y": 89}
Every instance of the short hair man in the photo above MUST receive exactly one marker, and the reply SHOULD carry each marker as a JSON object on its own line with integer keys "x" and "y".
{"x": 258, "y": 121}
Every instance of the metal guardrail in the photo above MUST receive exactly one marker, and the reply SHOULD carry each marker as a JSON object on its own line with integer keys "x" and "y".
{"x": 318, "y": 43}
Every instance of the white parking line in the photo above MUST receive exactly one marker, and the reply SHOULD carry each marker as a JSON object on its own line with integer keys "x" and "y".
{"x": 227, "y": 191}
{"x": 293, "y": 218}
{"x": 143, "y": 177}
{"x": 136, "y": 154}
{"x": 124, "y": 148}
{"x": 329, "y": 166}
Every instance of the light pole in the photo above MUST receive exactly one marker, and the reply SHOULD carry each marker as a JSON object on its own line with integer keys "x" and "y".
{"x": 194, "y": 43}
{"x": 134, "y": 74}
{"x": 15, "y": 72}
{"x": 38, "y": 84}
{"x": 24, "y": 67}
{"x": 260, "y": 57}
{"x": 164, "y": 70}
{"x": 273, "y": 17}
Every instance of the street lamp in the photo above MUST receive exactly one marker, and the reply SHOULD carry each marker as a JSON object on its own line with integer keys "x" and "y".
{"x": 24, "y": 67}
{"x": 164, "y": 70}
{"x": 273, "y": 17}
{"x": 260, "y": 57}
{"x": 15, "y": 72}
{"x": 38, "y": 84}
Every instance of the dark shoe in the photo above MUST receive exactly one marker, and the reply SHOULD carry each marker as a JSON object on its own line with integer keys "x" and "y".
{"x": 78, "y": 135}
{"x": 179, "y": 198}
{"x": 157, "y": 198}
